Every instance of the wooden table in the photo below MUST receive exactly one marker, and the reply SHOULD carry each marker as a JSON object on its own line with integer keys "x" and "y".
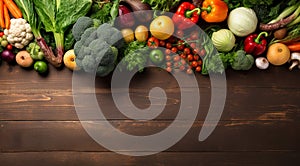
{"x": 260, "y": 124}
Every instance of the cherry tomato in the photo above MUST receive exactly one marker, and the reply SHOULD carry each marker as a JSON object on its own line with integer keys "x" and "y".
{"x": 194, "y": 35}
{"x": 168, "y": 64}
{"x": 176, "y": 58}
{"x": 200, "y": 63}
{"x": 190, "y": 57}
{"x": 1, "y": 34}
{"x": 172, "y": 39}
{"x": 194, "y": 64}
{"x": 153, "y": 42}
{"x": 183, "y": 62}
{"x": 168, "y": 58}
{"x": 167, "y": 51}
{"x": 179, "y": 33}
{"x": 168, "y": 45}
{"x": 193, "y": 45}
{"x": 183, "y": 56}
{"x": 176, "y": 64}
{"x": 181, "y": 67}
{"x": 174, "y": 49}
{"x": 186, "y": 51}
{"x": 169, "y": 69}
{"x": 189, "y": 71}
{"x": 198, "y": 69}
{"x": 162, "y": 43}
{"x": 9, "y": 47}
{"x": 196, "y": 57}
{"x": 180, "y": 45}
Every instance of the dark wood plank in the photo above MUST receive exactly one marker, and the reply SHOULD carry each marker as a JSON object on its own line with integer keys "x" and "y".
{"x": 22, "y": 136}
{"x": 168, "y": 159}
{"x": 241, "y": 104}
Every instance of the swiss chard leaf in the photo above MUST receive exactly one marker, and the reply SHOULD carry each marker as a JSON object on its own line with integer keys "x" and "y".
{"x": 58, "y": 15}
{"x": 28, "y": 12}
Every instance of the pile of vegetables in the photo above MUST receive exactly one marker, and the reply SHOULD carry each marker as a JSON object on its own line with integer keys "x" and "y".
{"x": 97, "y": 35}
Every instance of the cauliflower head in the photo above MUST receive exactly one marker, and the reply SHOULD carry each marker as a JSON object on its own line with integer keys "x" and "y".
{"x": 19, "y": 34}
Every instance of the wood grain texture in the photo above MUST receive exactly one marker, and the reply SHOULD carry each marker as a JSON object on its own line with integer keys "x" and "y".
{"x": 259, "y": 126}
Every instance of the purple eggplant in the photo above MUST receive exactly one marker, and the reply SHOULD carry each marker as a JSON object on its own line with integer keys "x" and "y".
{"x": 126, "y": 18}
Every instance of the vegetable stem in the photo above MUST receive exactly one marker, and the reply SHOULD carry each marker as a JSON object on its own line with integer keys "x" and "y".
{"x": 189, "y": 14}
{"x": 257, "y": 39}
{"x": 208, "y": 9}
{"x": 286, "y": 12}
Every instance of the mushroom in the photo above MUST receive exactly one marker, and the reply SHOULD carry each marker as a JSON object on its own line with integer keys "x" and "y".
{"x": 295, "y": 60}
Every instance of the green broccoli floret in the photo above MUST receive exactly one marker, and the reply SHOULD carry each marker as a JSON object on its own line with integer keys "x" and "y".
{"x": 80, "y": 26}
{"x": 241, "y": 60}
{"x": 82, "y": 42}
{"x": 111, "y": 35}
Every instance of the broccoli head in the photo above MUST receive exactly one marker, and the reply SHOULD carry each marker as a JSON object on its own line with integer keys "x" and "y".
{"x": 98, "y": 56}
{"x": 82, "y": 24}
{"x": 241, "y": 60}
{"x": 111, "y": 35}
{"x": 97, "y": 49}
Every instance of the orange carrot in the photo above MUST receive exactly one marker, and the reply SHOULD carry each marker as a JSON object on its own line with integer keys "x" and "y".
{"x": 6, "y": 17}
{"x": 294, "y": 47}
{"x": 13, "y": 8}
{"x": 2, "y": 23}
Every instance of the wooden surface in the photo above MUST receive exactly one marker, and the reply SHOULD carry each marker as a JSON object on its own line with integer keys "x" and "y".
{"x": 259, "y": 126}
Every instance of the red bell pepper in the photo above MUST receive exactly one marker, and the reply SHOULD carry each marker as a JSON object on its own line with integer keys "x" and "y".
{"x": 186, "y": 16}
{"x": 255, "y": 44}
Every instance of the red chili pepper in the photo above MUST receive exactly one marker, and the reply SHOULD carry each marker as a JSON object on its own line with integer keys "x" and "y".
{"x": 186, "y": 16}
{"x": 255, "y": 44}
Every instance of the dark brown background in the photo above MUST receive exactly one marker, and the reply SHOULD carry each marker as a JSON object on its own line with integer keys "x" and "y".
{"x": 259, "y": 126}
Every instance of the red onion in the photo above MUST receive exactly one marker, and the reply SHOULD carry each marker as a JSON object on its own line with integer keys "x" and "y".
{"x": 8, "y": 56}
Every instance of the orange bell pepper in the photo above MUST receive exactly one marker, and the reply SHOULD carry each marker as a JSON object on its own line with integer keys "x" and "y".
{"x": 214, "y": 11}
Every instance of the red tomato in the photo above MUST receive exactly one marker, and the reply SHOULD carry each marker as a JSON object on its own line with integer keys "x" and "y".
{"x": 169, "y": 64}
{"x": 198, "y": 69}
{"x": 183, "y": 56}
{"x": 194, "y": 64}
{"x": 179, "y": 33}
{"x": 186, "y": 51}
{"x": 9, "y": 47}
{"x": 167, "y": 51}
{"x": 168, "y": 45}
{"x": 180, "y": 45}
{"x": 168, "y": 58}
{"x": 162, "y": 43}
{"x": 196, "y": 57}
{"x": 194, "y": 35}
{"x": 153, "y": 42}
{"x": 1, "y": 34}
{"x": 174, "y": 49}
{"x": 176, "y": 58}
{"x": 189, "y": 71}
{"x": 181, "y": 67}
{"x": 169, "y": 69}
{"x": 190, "y": 57}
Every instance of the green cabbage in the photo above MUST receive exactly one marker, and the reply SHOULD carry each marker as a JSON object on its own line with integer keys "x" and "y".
{"x": 223, "y": 40}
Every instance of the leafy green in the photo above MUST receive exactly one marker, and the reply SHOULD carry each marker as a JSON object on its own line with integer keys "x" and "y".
{"x": 162, "y": 5}
{"x": 101, "y": 12}
{"x": 28, "y": 11}
{"x": 58, "y": 16}
{"x": 134, "y": 56}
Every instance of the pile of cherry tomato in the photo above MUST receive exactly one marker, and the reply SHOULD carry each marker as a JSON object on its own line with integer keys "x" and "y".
{"x": 183, "y": 52}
